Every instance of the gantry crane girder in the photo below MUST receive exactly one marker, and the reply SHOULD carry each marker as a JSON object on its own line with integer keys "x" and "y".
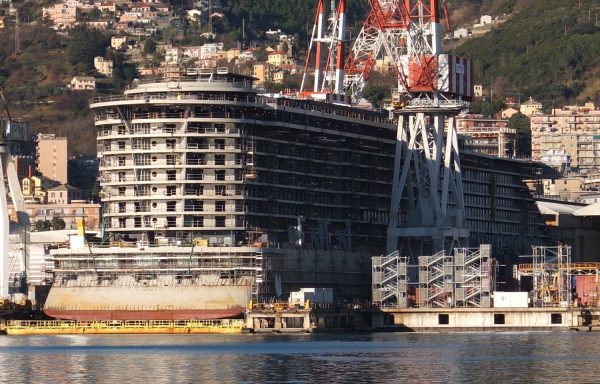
{"x": 408, "y": 33}
{"x": 427, "y": 207}
{"x": 427, "y": 210}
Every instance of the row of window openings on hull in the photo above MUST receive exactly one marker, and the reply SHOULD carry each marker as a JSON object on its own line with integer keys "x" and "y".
{"x": 189, "y": 190}
{"x": 187, "y": 206}
{"x": 192, "y": 127}
{"x": 170, "y": 175}
{"x": 188, "y": 221}
{"x": 190, "y": 159}
{"x": 192, "y": 143}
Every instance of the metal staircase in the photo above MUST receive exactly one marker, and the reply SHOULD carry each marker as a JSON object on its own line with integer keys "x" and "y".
{"x": 390, "y": 281}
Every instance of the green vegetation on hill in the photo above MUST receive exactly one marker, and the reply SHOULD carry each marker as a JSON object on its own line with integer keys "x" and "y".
{"x": 550, "y": 50}
{"x": 466, "y": 12}
{"x": 291, "y": 16}
{"x": 34, "y": 80}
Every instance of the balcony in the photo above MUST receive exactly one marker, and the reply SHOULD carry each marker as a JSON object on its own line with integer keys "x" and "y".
{"x": 159, "y": 115}
{"x": 193, "y": 207}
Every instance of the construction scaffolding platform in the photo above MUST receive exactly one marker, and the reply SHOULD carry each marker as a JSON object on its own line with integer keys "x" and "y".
{"x": 465, "y": 279}
{"x": 474, "y": 276}
{"x": 552, "y": 272}
{"x": 390, "y": 281}
{"x": 435, "y": 280}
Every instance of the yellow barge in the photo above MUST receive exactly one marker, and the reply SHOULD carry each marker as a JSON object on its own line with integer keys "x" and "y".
{"x": 62, "y": 327}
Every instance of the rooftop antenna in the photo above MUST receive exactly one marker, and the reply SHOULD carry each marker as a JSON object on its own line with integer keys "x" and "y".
{"x": 17, "y": 33}
{"x": 210, "y": 23}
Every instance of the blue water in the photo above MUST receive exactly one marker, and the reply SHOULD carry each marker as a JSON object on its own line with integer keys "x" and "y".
{"x": 563, "y": 357}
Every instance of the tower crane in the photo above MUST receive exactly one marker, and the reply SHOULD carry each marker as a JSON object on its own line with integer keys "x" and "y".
{"x": 7, "y": 166}
{"x": 431, "y": 88}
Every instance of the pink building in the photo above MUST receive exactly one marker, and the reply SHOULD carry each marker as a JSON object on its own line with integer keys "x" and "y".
{"x": 63, "y": 194}
{"x": 51, "y": 157}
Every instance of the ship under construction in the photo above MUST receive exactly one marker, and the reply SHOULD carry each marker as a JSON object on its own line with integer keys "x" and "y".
{"x": 215, "y": 196}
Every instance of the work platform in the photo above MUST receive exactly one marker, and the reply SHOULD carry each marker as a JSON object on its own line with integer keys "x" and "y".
{"x": 295, "y": 320}
{"x": 480, "y": 319}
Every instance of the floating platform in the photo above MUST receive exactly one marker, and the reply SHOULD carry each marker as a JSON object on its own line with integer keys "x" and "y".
{"x": 478, "y": 319}
{"x": 65, "y": 327}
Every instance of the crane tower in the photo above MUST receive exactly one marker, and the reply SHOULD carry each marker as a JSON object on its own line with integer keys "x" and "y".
{"x": 427, "y": 206}
{"x": 7, "y": 167}
{"x": 431, "y": 88}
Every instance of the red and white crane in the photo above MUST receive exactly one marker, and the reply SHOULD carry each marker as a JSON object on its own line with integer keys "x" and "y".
{"x": 427, "y": 207}
{"x": 328, "y": 42}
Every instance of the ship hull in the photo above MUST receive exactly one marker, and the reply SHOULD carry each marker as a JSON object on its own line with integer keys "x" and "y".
{"x": 191, "y": 314}
{"x": 193, "y": 302}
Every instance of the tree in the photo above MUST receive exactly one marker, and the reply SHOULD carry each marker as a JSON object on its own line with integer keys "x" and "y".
{"x": 94, "y": 14}
{"x": 57, "y": 223}
{"x": 149, "y": 47}
{"x": 42, "y": 225}
{"x": 486, "y": 108}
{"x": 521, "y": 124}
{"x": 85, "y": 44}
{"x": 260, "y": 55}
{"x": 375, "y": 94}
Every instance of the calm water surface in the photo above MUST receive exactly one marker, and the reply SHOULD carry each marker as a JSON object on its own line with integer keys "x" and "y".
{"x": 566, "y": 357}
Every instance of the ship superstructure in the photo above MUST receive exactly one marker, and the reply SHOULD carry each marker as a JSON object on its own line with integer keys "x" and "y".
{"x": 203, "y": 157}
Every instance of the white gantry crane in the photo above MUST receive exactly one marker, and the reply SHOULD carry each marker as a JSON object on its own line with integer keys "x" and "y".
{"x": 427, "y": 207}
{"x": 7, "y": 168}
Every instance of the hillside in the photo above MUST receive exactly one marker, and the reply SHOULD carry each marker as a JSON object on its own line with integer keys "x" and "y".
{"x": 34, "y": 81}
{"x": 291, "y": 16}
{"x": 465, "y": 12}
{"x": 296, "y": 16}
{"x": 549, "y": 50}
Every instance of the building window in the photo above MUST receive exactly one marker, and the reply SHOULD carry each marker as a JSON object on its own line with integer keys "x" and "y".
{"x": 219, "y": 159}
{"x": 443, "y": 319}
{"x": 219, "y": 221}
{"x": 219, "y": 144}
{"x": 220, "y": 190}
{"x": 499, "y": 319}
{"x": 555, "y": 318}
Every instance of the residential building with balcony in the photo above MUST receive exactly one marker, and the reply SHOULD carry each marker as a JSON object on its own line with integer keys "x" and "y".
{"x": 576, "y": 131}
{"x": 489, "y": 136}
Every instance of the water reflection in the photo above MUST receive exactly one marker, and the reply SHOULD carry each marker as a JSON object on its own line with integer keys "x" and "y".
{"x": 383, "y": 358}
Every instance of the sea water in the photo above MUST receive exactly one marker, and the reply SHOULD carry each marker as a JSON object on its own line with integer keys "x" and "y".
{"x": 561, "y": 357}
